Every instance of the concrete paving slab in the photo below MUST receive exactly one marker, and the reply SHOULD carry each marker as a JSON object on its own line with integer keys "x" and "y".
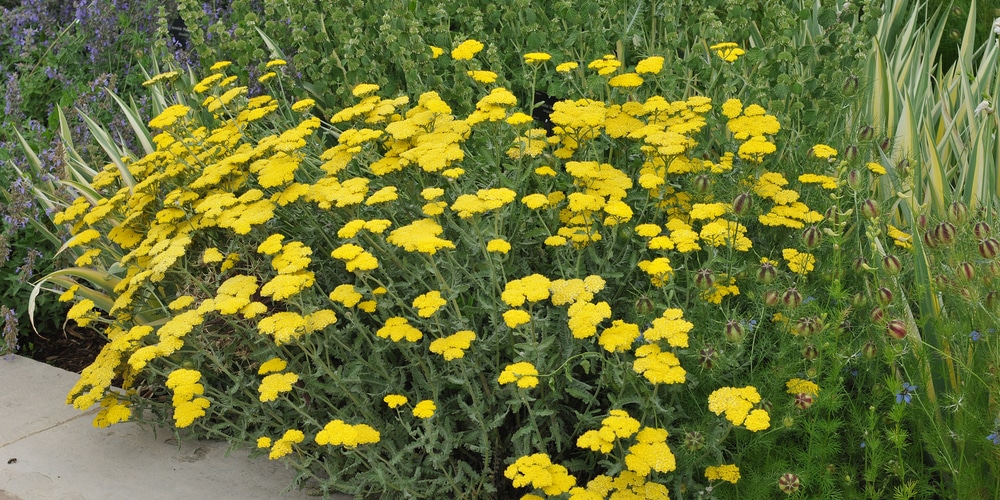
{"x": 51, "y": 451}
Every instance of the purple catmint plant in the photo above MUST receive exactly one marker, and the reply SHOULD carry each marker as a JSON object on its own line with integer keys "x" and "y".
{"x": 9, "y": 332}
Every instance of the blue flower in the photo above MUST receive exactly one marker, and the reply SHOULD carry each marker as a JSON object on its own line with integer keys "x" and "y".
{"x": 975, "y": 335}
{"x": 906, "y": 394}
{"x": 995, "y": 437}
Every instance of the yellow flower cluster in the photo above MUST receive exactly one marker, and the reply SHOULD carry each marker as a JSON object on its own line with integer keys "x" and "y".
{"x": 787, "y": 211}
{"x": 799, "y": 262}
{"x": 274, "y": 383}
{"x": 728, "y": 51}
{"x": 522, "y": 372}
{"x": 453, "y": 346}
{"x": 738, "y": 405}
{"x": 617, "y": 425}
{"x": 187, "y": 407}
{"x": 539, "y": 472}
{"x": 283, "y": 446}
{"x": 339, "y": 433}
{"x": 428, "y": 303}
{"x": 799, "y": 386}
{"x": 729, "y": 472}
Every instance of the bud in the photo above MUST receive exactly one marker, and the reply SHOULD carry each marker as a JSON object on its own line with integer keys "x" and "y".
{"x": 850, "y": 152}
{"x": 896, "y": 329}
{"x": 702, "y": 184}
{"x": 892, "y": 264}
{"x": 854, "y": 179}
{"x": 869, "y": 208}
{"x": 767, "y": 273}
{"x": 771, "y": 298}
{"x": 989, "y": 248}
{"x": 644, "y": 306}
{"x": 707, "y": 357}
{"x": 866, "y": 133}
{"x": 965, "y": 271}
{"x": 957, "y": 212}
{"x": 945, "y": 233}
{"x": 734, "y": 331}
{"x": 869, "y": 350}
{"x": 789, "y": 483}
{"x": 791, "y": 298}
{"x": 742, "y": 204}
{"x": 884, "y": 296}
{"x": 981, "y": 230}
{"x": 694, "y": 441}
{"x": 704, "y": 279}
{"x": 810, "y": 352}
{"x": 811, "y": 237}
{"x": 788, "y": 421}
{"x": 803, "y": 401}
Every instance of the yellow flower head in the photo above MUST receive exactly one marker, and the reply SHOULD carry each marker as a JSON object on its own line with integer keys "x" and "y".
{"x": 424, "y": 409}
{"x": 466, "y": 50}
{"x": 536, "y": 57}
{"x": 395, "y": 400}
{"x": 522, "y": 372}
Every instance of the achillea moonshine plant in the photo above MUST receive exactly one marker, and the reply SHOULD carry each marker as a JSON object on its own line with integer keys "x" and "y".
{"x": 410, "y": 302}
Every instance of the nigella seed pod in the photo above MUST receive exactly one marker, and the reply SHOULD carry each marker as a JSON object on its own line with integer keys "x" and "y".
{"x": 810, "y": 352}
{"x": 877, "y": 315}
{"x": 869, "y": 208}
{"x": 965, "y": 271}
{"x": 945, "y": 233}
{"x": 858, "y": 299}
{"x": 922, "y": 221}
{"x": 892, "y": 264}
{"x": 981, "y": 230}
{"x": 903, "y": 167}
{"x": 957, "y": 212}
{"x": 771, "y": 298}
{"x": 803, "y": 401}
{"x": 942, "y": 281}
{"x": 832, "y": 215}
{"x": 869, "y": 350}
{"x": 644, "y": 306}
{"x": 702, "y": 184}
{"x": 930, "y": 239}
{"x": 885, "y": 145}
{"x": 992, "y": 300}
{"x": 742, "y": 204}
{"x": 854, "y": 179}
{"x": 802, "y": 326}
{"x": 994, "y": 268}
{"x": 734, "y": 331}
{"x": 767, "y": 273}
{"x": 845, "y": 326}
{"x": 850, "y": 152}
{"x": 989, "y": 248}
{"x": 707, "y": 357}
{"x": 811, "y": 237}
{"x": 791, "y": 298}
{"x": 866, "y": 133}
{"x": 884, "y": 296}
{"x": 694, "y": 441}
{"x": 896, "y": 329}
{"x": 788, "y": 483}
{"x": 704, "y": 279}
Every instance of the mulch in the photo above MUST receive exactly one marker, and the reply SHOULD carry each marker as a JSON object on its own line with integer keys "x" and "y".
{"x": 71, "y": 349}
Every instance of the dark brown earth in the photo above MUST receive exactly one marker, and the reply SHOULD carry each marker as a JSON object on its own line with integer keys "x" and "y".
{"x": 72, "y": 349}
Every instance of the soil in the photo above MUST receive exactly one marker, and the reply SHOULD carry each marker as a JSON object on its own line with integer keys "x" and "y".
{"x": 72, "y": 349}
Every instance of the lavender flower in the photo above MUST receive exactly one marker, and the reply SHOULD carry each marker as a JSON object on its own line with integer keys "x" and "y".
{"x": 9, "y": 332}
{"x": 975, "y": 335}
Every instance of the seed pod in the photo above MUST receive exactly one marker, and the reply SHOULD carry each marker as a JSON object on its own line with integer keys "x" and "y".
{"x": 965, "y": 271}
{"x": 771, "y": 298}
{"x": 942, "y": 281}
{"x": 791, "y": 298}
{"x": 858, "y": 265}
{"x": 957, "y": 212}
{"x": 850, "y": 152}
{"x": 869, "y": 350}
{"x": 930, "y": 239}
{"x": 704, "y": 279}
{"x": 858, "y": 299}
{"x": 832, "y": 215}
{"x": 810, "y": 352}
{"x": 742, "y": 204}
{"x": 884, "y": 296}
{"x": 854, "y": 179}
{"x": 892, "y": 264}
{"x": 866, "y": 133}
{"x": 811, "y": 237}
{"x": 734, "y": 331}
{"x": 981, "y": 230}
{"x": 992, "y": 300}
{"x": 694, "y": 441}
{"x": 789, "y": 483}
{"x": 767, "y": 273}
{"x": 869, "y": 208}
{"x": 803, "y": 401}
{"x": 702, "y": 184}
{"x": 922, "y": 221}
{"x": 877, "y": 315}
{"x": 707, "y": 357}
{"x": 896, "y": 329}
{"x": 945, "y": 233}
{"x": 989, "y": 248}
{"x": 644, "y": 306}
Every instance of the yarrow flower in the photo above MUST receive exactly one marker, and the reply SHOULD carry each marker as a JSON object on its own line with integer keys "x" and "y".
{"x": 523, "y": 373}
{"x": 729, "y": 473}
{"x": 466, "y": 50}
{"x": 424, "y": 409}
{"x": 728, "y": 51}
{"x": 538, "y": 471}
{"x": 536, "y": 57}
{"x": 395, "y": 400}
